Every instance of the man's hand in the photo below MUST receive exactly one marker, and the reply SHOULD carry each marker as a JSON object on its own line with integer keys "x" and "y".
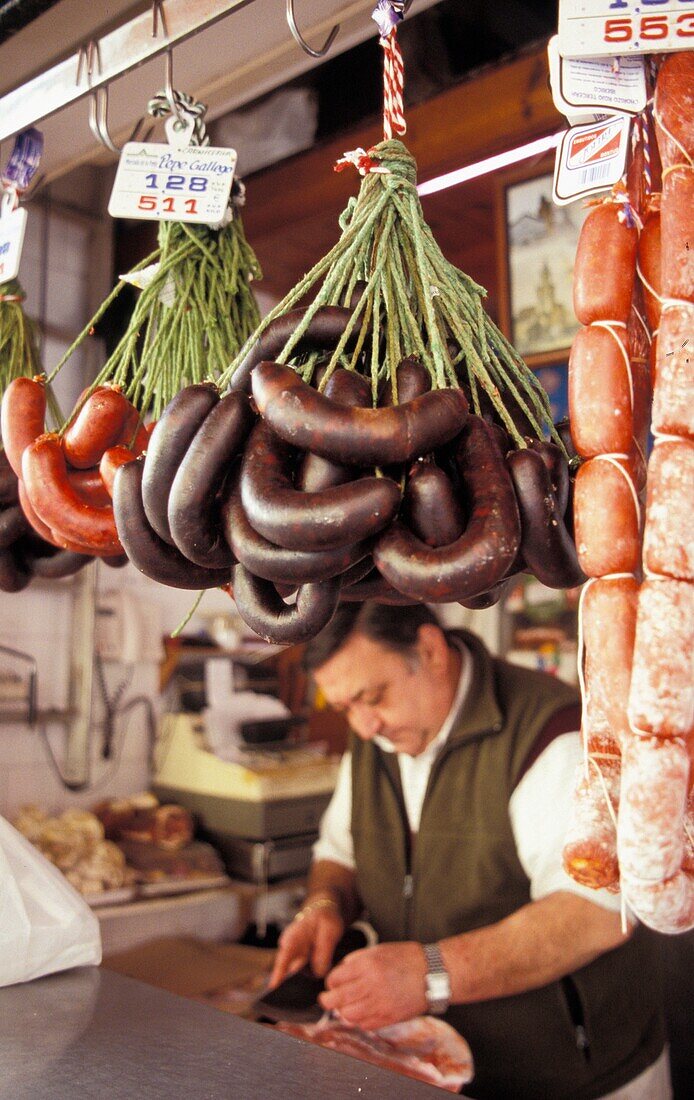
{"x": 312, "y": 938}
{"x": 378, "y": 985}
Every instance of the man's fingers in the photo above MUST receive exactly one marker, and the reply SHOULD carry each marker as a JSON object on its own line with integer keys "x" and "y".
{"x": 327, "y": 937}
{"x": 291, "y": 956}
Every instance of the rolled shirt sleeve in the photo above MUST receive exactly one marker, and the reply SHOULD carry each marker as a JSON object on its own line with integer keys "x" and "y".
{"x": 335, "y": 833}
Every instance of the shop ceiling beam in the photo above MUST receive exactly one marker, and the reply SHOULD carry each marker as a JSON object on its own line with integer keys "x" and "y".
{"x": 102, "y": 60}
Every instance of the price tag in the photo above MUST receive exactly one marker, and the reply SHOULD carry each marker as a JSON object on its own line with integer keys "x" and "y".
{"x": 589, "y": 89}
{"x": 161, "y": 183}
{"x": 590, "y": 158}
{"x": 12, "y": 228}
{"x": 594, "y": 28}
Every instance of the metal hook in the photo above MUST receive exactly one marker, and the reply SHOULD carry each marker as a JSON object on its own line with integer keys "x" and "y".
{"x": 291, "y": 20}
{"x": 169, "y": 90}
{"x": 98, "y": 119}
{"x": 158, "y": 16}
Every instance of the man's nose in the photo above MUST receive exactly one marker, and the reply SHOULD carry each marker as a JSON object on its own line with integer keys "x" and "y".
{"x": 367, "y": 723}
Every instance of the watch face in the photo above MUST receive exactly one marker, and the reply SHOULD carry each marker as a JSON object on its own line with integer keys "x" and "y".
{"x": 438, "y": 987}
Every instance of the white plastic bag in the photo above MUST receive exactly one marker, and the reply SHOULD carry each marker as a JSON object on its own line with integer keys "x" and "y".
{"x": 45, "y": 925}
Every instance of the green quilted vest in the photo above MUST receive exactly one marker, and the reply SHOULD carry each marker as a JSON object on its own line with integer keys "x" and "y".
{"x": 580, "y": 1037}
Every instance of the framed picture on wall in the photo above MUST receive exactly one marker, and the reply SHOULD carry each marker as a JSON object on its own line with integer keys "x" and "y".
{"x": 536, "y": 246}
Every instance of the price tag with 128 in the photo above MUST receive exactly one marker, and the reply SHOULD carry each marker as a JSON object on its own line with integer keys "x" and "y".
{"x": 160, "y": 183}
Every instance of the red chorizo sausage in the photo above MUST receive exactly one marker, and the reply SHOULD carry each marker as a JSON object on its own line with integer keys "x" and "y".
{"x": 486, "y": 549}
{"x": 602, "y": 291}
{"x": 673, "y": 108}
{"x": 607, "y": 517}
{"x": 673, "y": 408}
{"x": 600, "y": 393}
{"x": 22, "y": 417}
{"x": 103, "y": 418}
{"x": 111, "y": 460}
{"x": 326, "y": 520}
{"x": 56, "y": 502}
{"x": 670, "y": 494}
{"x": 361, "y": 437}
{"x": 677, "y": 249}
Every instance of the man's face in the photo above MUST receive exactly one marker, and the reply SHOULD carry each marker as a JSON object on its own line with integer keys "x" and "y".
{"x": 385, "y": 693}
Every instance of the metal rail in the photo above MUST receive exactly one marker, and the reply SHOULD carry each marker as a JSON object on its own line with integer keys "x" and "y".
{"x": 102, "y": 60}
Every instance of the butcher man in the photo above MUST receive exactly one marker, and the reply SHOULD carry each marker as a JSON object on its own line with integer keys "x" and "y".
{"x": 446, "y": 830}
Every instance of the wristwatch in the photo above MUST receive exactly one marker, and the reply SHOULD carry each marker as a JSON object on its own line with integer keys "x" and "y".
{"x": 438, "y": 982}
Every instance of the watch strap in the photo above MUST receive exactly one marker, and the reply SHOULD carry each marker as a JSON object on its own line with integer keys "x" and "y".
{"x": 438, "y": 982}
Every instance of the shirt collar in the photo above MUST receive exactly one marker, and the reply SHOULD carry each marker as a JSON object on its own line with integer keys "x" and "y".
{"x": 437, "y": 742}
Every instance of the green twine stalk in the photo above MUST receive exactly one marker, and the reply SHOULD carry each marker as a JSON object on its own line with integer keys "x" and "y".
{"x": 19, "y": 348}
{"x": 192, "y": 316}
{"x": 413, "y": 297}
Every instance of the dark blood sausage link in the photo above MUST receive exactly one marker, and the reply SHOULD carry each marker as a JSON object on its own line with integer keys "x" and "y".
{"x": 324, "y": 332}
{"x": 155, "y": 558}
{"x": 264, "y": 611}
{"x": 489, "y": 598}
{"x": 13, "y": 524}
{"x": 99, "y": 424}
{"x": 327, "y": 520}
{"x": 168, "y": 444}
{"x": 316, "y": 473}
{"x": 14, "y": 574}
{"x": 9, "y": 494}
{"x": 432, "y": 510}
{"x": 194, "y": 511}
{"x": 71, "y": 519}
{"x": 117, "y": 561}
{"x": 357, "y": 572}
{"x": 486, "y": 549}
{"x": 359, "y": 437}
{"x": 413, "y": 379}
{"x": 275, "y": 563}
{"x": 22, "y": 418}
{"x": 546, "y": 545}
{"x": 53, "y": 566}
{"x": 558, "y": 470}
{"x": 373, "y": 587}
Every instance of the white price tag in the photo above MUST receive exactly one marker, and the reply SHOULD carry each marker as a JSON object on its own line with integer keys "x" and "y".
{"x": 593, "y": 28}
{"x": 161, "y": 183}
{"x": 590, "y": 158}
{"x": 588, "y": 89}
{"x": 12, "y": 227}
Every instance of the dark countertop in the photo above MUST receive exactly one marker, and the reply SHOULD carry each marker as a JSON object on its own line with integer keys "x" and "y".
{"x": 95, "y": 1035}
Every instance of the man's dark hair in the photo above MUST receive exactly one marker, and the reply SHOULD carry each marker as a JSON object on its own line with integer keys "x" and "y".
{"x": 393, "y": 626}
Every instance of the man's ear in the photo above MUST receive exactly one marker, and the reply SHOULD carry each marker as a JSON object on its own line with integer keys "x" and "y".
{"x": 433, "y": 647}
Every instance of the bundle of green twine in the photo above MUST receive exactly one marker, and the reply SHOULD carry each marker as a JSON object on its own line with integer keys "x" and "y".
{"x": 194, "y": 312}
{"x": 409, "y": 301}
{"x": 19, "y": 353}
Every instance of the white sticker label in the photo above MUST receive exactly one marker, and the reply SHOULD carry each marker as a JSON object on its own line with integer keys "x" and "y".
{"x": 160, "y": 183}
{"x": 595, "y": 28}
{"x": 12, "y": 227}
{"x": 584, "y": 87}
{"x": 591, "y": 158}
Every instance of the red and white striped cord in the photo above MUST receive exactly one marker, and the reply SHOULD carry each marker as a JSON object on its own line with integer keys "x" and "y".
{"x": 393, "y": 87}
